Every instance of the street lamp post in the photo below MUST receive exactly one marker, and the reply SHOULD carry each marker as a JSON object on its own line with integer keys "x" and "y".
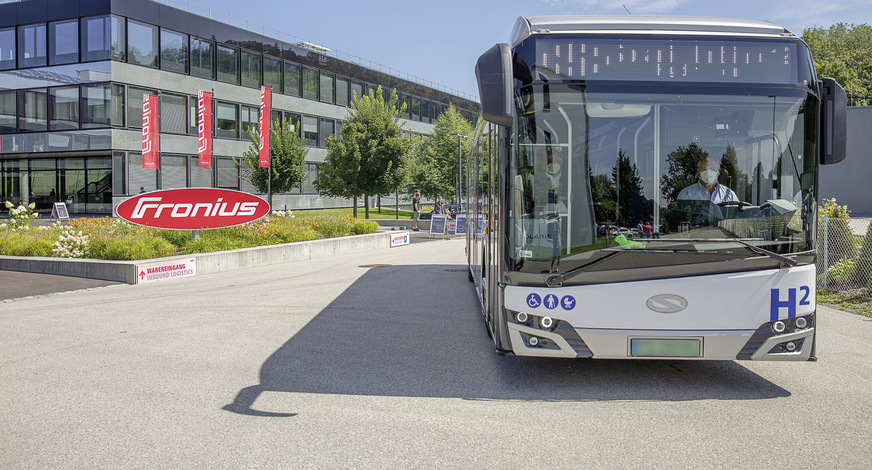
{"x": 458, "y": 180}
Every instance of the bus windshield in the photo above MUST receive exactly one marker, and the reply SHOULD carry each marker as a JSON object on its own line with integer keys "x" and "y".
{"x": 599, "y": 167}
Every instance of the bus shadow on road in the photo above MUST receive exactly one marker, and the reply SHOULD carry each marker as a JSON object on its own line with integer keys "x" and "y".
{"x": 416, "y": 331}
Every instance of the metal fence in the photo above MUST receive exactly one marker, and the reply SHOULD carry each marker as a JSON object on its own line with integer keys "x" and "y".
{"x": 844, "y": 255}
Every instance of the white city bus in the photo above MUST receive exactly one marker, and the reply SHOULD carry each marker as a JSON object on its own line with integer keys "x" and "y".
{"x": 646, "y": 187}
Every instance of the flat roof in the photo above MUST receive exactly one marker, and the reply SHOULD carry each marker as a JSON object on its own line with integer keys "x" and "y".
{"x": 645, "y": 24}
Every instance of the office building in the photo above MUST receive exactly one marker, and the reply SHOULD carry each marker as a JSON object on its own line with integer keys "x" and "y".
{"x": 73, "y": 74}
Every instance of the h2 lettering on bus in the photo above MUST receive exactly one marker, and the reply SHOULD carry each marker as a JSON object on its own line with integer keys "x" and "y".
{"x": 778, "y": 302}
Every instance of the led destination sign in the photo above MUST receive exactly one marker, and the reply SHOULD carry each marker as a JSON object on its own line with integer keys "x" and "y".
{"x": 678, "y": 59}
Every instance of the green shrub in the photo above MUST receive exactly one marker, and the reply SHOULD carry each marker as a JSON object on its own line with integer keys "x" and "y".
{"x": 32, "y": 242}
{"x": 842, "y": 272}
{"x": 360, "y": 227}
{"x": 129, "y": 247}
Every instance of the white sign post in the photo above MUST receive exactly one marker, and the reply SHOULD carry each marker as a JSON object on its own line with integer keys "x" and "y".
{"x": 461, "y": 225}
{"x": 437, "y": 225}
{"x": 59, "y": 211}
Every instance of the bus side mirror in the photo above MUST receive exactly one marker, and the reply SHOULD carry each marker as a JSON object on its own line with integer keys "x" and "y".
{"x": 493, "y": 71}
{"x": 834, "y": 122}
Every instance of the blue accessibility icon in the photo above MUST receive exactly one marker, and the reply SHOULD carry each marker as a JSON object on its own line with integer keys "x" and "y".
{"x": 550, "y": 301}
{"x": 533, "y": 300}
{"x": 567, "y": 302}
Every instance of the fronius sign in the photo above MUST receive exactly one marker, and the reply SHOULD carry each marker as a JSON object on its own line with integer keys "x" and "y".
{"x": 192, "y": 208}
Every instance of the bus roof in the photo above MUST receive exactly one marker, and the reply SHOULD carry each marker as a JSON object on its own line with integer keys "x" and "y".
{"x": 633, "y": 24}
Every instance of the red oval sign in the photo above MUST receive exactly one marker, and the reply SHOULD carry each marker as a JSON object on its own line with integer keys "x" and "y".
{"x": 192, "y": 208}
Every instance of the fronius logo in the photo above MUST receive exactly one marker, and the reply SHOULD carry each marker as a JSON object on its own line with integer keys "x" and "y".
{"x": 192, "y": 208}
{"x": 667, "y": 303}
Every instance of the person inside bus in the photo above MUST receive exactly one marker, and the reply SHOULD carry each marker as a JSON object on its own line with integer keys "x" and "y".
{"x": 707, "y": 187}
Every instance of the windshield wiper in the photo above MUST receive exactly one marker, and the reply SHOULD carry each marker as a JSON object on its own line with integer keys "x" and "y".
{"x": 557, "y": 281}
{"x": 783, "y": 260}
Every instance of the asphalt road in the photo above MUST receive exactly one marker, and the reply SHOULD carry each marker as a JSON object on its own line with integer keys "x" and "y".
{"x": 345, "y": 363}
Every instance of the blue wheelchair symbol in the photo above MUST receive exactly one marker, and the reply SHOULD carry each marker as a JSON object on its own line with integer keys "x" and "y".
{"x": 568, "y": 302}
{"x": 533, "y": 300}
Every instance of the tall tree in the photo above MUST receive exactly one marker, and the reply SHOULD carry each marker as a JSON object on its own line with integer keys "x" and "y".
{"x": 435, "y": 169}
{"x": 628, "y": 184}
{"x": 287, "y": 154}
{"x": 844, "y": 52}
{"x": 371, "y": 156}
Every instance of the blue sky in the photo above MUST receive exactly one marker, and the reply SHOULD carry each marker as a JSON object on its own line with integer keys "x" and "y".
{"x": 441, "y": 40}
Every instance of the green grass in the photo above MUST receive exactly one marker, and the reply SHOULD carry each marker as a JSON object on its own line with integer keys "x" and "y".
{"x": 851, "y": 301}
{"x": 387, "y": 212}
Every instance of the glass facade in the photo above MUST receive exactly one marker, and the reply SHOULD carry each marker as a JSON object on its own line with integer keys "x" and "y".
{"x": 69, "y": 127}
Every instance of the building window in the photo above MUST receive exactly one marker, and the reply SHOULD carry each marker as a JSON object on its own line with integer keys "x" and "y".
{"x": 310, "y": 84}
{"x": 356, "y": 90}
{"x": 416, "y": 108}
{"x": 200, "y": 177}
{"x": 307, "y": 186}
{"x": 7, "y": 112}
{"x": 201, "y": 58}
{"x": 141, "y": 44}
{"x": 118, "y": 38}
{"x": 228, "y": 67}
{"x": 174, "y": 171}
{"x": 310, "y": 131}
{"x": 328, "y": 127}
{"x": 292, "y": 79}
{"x": 326, "y": 93}
{"x": 227, "y": 173}
{"x": 119, "y": 173}
{"x": 97, "y": 106}
{"x": 64, "y": 108}
{"x": 173, "y": 51}
{"x": 32, "y": 111}
{"x": 31, "y": 46}
{"x": 173, "y": 113}
{"x": 294, "y": 123}
{"x": 141, "y": 179}
{"x": 227, "y": 120}
{"x": 63, "y": 42}
{"x": 7, "y": 48}
{"x": 134, "y": 105}
{"x": 250, "y": 69}
{"x": 250, "y": 120}
{"x": 272, "y": 74}
{"x": 96, "y": 37}
{"x": 341, "y": 91}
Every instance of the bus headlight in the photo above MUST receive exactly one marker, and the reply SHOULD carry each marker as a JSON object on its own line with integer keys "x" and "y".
{"x": 522, "y": 317}
{"x": 779, "y": 327}
{"x": 547, "y": 322}
{"x": 534, "y": 341}
{"x": 801, "y": 323}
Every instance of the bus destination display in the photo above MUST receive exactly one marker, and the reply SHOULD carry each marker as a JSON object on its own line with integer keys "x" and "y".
{"x": 686, "y": 60}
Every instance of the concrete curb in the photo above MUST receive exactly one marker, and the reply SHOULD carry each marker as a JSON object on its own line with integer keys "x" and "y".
{"x": 207, "y": 263}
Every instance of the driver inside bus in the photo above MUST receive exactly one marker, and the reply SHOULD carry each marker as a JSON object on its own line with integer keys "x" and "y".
{"x": 707, "y": 187}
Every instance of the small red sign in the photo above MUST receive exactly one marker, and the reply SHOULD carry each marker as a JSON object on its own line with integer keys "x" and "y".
{"x": 192, "y": 208}
{"x": 204, "y": 128}
{"x": 265, "y": 107}
{"x": 150, "y": 133}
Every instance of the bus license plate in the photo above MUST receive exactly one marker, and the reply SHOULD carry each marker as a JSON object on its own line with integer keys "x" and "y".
{"x": 650, "y": 347}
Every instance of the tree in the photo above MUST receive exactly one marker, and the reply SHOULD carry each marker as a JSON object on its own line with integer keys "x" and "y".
{"x": 628, "y": 184}
{"x": 844, "y": 52}
{"x": 435, "y": 169}
{"x": 681, "y": 172}
{"x": 371, "y": 157}
{"x": 287, "y": 154}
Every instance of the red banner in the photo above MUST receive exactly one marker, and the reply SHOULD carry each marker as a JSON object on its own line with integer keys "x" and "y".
{"x": 265, "y": 107}
{"x": 204, "y": 128}
{"x": 192, "y": 208}
{"x": 150, "y": 133}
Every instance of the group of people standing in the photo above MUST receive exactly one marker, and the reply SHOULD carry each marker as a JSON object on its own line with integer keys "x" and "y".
{"x": 439, "y": 208}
